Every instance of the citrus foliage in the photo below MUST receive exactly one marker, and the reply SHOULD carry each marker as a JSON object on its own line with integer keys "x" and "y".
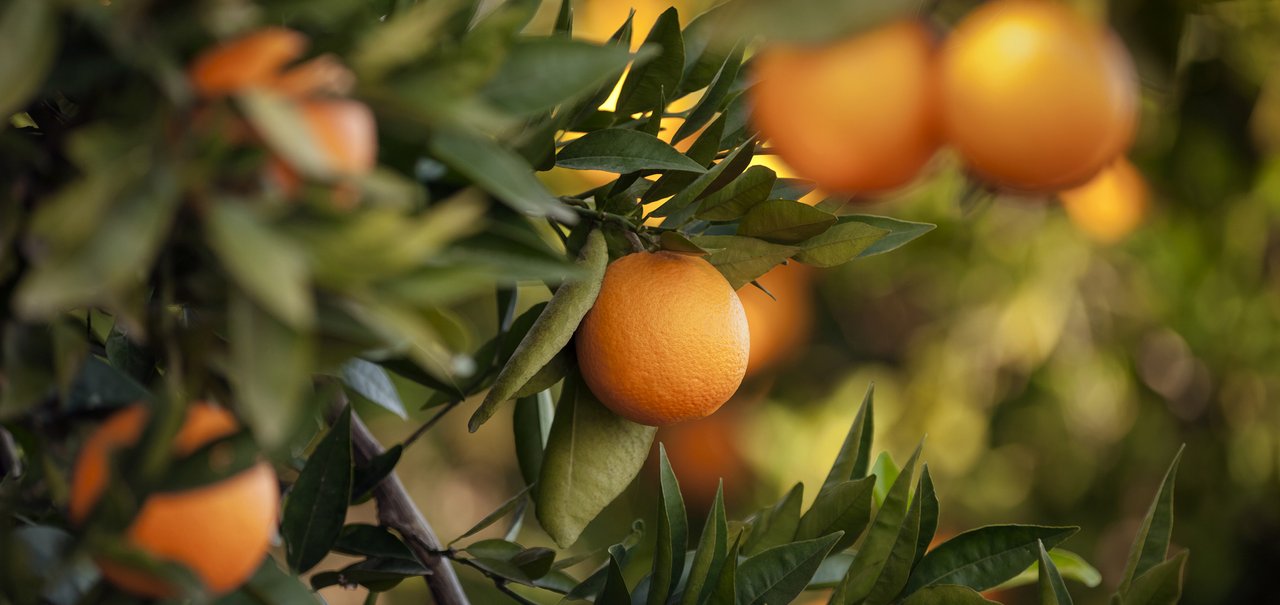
{"x": 197, "y": 207}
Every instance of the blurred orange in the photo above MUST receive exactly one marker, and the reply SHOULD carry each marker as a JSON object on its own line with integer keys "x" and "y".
{"x": 345, "y": 131}
{"x": 858, "y": 115}
{"x": 251, "y": 60}
{"x": 779, "y": 328}
{"x": 702, "y": 453}
{"x": 1036, "y": 97}
{"x": 1111, "y": 205}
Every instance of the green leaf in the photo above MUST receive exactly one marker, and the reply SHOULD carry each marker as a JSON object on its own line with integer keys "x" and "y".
{"x": 781, "y": 573}
{"x": 317, "y": 504}
{"x": 703, "y": 151}
{"x": 680, "y": 208}
{"x": 742, "y": 259}
{"x": 552, "y": 330}
{"x": 269, "y": 370}
{"x": 678, "y": 242}
{"x": 1053, "y": 591}
{"x": 704, "y": 51}
{"x": 985, "y": 557}
{"x": 1160, "y": 585}
{"x": 712, "y": 100}
{"x": 587, "y": 109}
{"x": 902, "y": 557}
{"x": 855, "y": 452}
{"x": 947, "y": 595}
{"x": 877, "y": 546}
{"x": 370, "y": 381}
{"x": 592, "y": 454}
{"x": 99, "y": 385}
{"x": 534, "y": 562}
{"x": 709, "y": 559}
{"x": 374, "y": 541}
{"x": 784, "y": 222}
{"x": 496, "y": 515}
{"x": 532, "y": 426}
{"x": 900, "y": 232}
{"x": 620, "y": 552}
{"x": 499, "y": 171}
{"x": 270, "y": 584}
{"x": 776, "y": 525}
{"x": 1152, "y": 542}
{"x": 621, "y": 151}
{"x": 615, "y": 586}
{"x": 832, "y": 570}
{"x": 541, "y": 73}
{"x": 928, "y": 513}
{"x": 1070, "y": 565}
{"x": 672, "y": 539}
{"x": 377, "y": 575}
{"x": 403, "y": 39}
{"x": 726, "y": 588}
{"x": 843, "y": 506}
{"x": 30, "y": 31}
{"x": 886, "y": 472}
{"x": 279, "y": 122}
{"x": 750, "y": 189}
{"x": 646, "y": 82}
{"x": 839, "y": 244}
{"x": 812, "y": 21}
{"x": 266, "y": 265}
{"x": 212, "y": 462}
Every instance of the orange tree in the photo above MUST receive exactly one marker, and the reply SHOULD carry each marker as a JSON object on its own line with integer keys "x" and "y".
{"x": 218, "y": 235}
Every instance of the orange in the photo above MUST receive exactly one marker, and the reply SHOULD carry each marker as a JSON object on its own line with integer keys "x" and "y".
{"x": 858, "y": 115}
{"x": 702, "y": 453}
{"x": 778, "y": 327}
{"x": 251, "y": 60}
{"x": 220, "y": 531}
{"x": 1035, "y": 97}
{"x": 1111, "y": 205}
{"x": 666, "y": 340}
{"x": 345, "y": 130}
{"x": 322, "y": 75}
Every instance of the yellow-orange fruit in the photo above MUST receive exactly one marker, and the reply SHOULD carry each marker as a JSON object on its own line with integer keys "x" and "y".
{"x": 778, "y": 327}
{"x": 345, "y": 130}
{"x": 251, "y": 60}
{"x": 1034, "y": 96}
{"x": 666, "y": 340}
{"x": 1111, "y": 205}
{"x": 858, "y": 115}
{"x": 220, "y": 531}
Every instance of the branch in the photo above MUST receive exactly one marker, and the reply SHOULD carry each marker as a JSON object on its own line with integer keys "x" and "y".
{"x": 397, "y": 511}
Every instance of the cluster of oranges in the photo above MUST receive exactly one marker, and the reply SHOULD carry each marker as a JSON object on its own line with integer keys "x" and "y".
{"x": 1032, "y": 96}
{"x": 342, "y": 129}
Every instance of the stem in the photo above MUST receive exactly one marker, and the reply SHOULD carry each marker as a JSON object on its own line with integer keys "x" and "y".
{"x": 397, "y": 511}
{"x": 426, "y": 426}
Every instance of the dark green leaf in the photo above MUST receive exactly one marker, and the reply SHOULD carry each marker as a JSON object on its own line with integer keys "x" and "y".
{"x": 751, "y": 188}
{"x": 586, "y": 110}
{"x": 843, "y": 506}
{"x": 743, "y": 259}
{"x": 703, "y": 151}
{"x": 615, "y": 586}
{"x": 784, "y": 222}
{"x": 947, "y": 595}
{"x": 1071, "y": 566}
{"x": 534, "y": 562}
{"x": 678, "y": 242}
{"x": 497, "y": 514}
{"x": 832, "y": 570}
{"x": 270, "y": 585}
{"x": 373, "y": 541}
{"x": 781, "y": 573}
{"x": 133, "y": 359}
{"x": 591, "y": 456}
{"x": 877, "y": 548}
{"x": 713, "y": 100}
{"x": 541, "y": 73}
{"x": 1152, "y": 542}
{"x": 99, "y": 385}
{"x": 726, "y": 587}
{"x": 317, "y": 504}
{"x": 985, "y": 557}
{"x": 682, "y": 206}
{"x": 30, "y": 31}
{"x": 902, "y": 557}
{"x": 709, "y": 558}
{"x": 855, "y": 452}
{"x": 646, "y": 82}
{"x": 704, "y": 52}
{"x": 928, "y": 513}
{"x": 500, "y": 172}
{"x": 839, "y": 244}
{"x": 776, "y": 525}
{"x": 672, "y": 538}
{"x": 1160, "y": 585}
{"x": 375, "y": 574}
{"x": 1053, "y": 591}
{"x": 532, "y": 425}
{"x": 621, "y": 151}
{"x": 900, "y": 232}
{"x": 371, "y": 382}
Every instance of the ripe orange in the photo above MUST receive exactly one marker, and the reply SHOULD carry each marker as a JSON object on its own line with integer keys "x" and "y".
{"x": 859, "y": 115}
{"x": 1035, "y": 97}
{"x": 666, "y": 340}
{"x": 1111, "y": 205}
{"x": 778, "y": 327}
{"x": 345, "y": 131}
{"x": 220, "y": 531}
{"x": 251, "y": 60}
{"x": 703, "y": 452}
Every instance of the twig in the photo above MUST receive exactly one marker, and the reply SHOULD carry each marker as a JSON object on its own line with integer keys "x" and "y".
{"x": 426, "y": 426}
{"x": 397, "y": 511}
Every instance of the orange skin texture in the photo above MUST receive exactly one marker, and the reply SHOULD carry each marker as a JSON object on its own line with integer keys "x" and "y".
{"x": 1035, "y": 97}
{"x": 251, "y": 60}
{"x": 346, "y": 131}
{"x": 858, "y": 115}
{"x": 220, "y": 531}
{"x": 1111, "y": 205}
{"x": 779, "y": 328}
{"x": 666, "y": 341}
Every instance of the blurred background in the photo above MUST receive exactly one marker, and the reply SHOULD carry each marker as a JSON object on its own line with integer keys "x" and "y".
{"x": 1056, "y": 352}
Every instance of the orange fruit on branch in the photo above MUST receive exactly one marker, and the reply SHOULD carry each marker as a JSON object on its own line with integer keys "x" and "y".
{"x": 346, "y": 132}
{"x": 220, "y": 531}
{"x": 1111, "y": 205}
{"x": 251, "y": 60}
{"x": 666, "y": 340}
{"x": 857, "y": 115}
{"x": 1035, "y": 97}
